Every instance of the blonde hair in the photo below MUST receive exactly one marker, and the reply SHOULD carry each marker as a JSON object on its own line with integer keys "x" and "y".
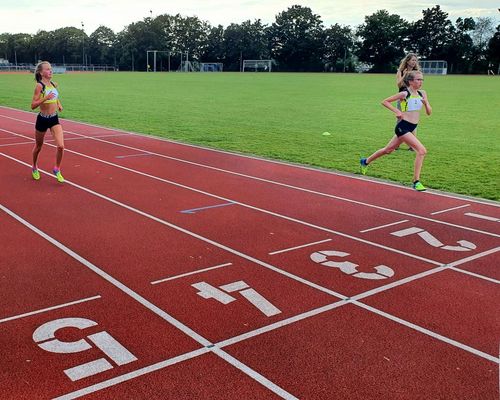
{"x": 404, "y": 63}
{"x": 411, "y": 76}
{"x": 38, "y": 70}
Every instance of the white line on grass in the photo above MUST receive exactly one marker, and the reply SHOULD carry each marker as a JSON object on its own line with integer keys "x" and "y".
{"x": 71, "y": 303}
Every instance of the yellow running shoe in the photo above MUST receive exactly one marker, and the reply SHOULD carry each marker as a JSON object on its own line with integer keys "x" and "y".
{"x": 417, "y": 185}
{"x": 35, "y": 174}
{"x": 57, "y": 173}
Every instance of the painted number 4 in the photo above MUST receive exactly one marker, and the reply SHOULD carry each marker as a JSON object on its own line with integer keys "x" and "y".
{"x": 220, "y": 294}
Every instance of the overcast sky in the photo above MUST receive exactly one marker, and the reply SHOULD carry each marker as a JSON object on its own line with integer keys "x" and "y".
{"x": 30, "y": 16}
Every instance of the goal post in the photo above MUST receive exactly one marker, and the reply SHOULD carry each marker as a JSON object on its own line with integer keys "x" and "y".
{"x": 434, "y": 67}
{"x": 257, "y": 66}
{"x": 211, "y": 67}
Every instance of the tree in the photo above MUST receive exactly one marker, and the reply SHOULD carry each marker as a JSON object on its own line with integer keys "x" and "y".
{"x": 338, "y": 46}
{"x": 297, "y": 40}
{"x": 432, "y": 34}
{"x": 383, "y": 40}
{"x": 214, "y": 50}
{"x": 101, "y": 46}
{"x": 244, "y": 41}
{"x": 460, "y": 48}
{"x": 494, "y": 50}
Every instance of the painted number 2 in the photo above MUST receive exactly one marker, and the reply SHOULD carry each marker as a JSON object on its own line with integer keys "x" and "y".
{"x": 349, "y": 268}
{"x": 464, "y": 245}
{"x": 45, "y": 337}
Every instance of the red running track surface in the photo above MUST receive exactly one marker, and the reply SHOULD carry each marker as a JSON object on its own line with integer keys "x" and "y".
{"x": 215, "y": 275}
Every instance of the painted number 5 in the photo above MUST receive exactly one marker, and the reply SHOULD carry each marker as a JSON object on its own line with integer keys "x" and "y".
{"x": 45, "y": 337}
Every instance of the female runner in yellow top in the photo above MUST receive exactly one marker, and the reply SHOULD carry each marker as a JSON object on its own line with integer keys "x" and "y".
{"x": 412, "y": 99}
{"x": 46, "y": 96}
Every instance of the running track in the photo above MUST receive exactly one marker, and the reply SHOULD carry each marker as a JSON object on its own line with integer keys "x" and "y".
{"x": 166, "y": 271}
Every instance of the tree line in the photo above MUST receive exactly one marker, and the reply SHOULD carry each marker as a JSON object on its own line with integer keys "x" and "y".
{"x": 296, "y": 41}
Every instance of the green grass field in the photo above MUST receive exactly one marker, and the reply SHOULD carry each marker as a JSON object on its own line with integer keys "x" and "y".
{"x": 283, "y": 116}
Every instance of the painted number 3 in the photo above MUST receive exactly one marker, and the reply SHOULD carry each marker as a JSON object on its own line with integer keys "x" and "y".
{"x": 349, "y": 268}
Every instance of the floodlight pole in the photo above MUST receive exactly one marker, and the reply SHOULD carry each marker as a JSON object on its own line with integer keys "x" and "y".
{"x": 83, "y": 45}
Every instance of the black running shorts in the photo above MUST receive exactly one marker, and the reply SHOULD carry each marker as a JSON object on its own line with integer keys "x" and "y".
{"x": 403, "y": 127}
{"x": 44, "y": 122}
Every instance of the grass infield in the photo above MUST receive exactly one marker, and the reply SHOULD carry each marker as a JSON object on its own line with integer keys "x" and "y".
{"x": 283, "y": 116}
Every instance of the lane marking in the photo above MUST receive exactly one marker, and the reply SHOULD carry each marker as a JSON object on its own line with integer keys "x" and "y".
{"x": 299, "y": 247}
{"x": 486, "y": 278}
{"x": 384, "y": 226}
{"x": 115, "y": 282}
{"x": 487, "y": 218}
{"x": 261, "y": 180}
{"x": 71, "y": 303}
{"x": 199, "y": 271}
{"x": 428, "y": 332}
{"x": 194, "y": 210}
{"x": 132, "y": 375}
{"x": 221, "y": 246}
{"x": 134, "y": 155}
{"x": 450, "y": 209}
{"x": 355, "y": 238}
{"x": 255, "y": 375}
{"x": 281, "y": 163}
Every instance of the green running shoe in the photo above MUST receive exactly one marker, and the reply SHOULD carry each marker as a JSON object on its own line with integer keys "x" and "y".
{"x": 57, "y": 173}
{"x": 417, "y": 185}
{"x": 363, "y": 166}
{"x": 35, "y": 174}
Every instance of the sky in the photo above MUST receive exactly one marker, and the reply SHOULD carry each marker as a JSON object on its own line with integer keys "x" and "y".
{"x": 30, "y": 16}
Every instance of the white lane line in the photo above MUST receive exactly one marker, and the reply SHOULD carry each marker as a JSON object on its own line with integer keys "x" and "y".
{"x": 199, "y": 271}
{"x": 399, "y": 282}
{"x": 132, "y": 375}
{"x": 474, "y": 257}
{"x": 134, "y": 155}
{"x": 280, "y": 324}
{"x": 486, "y": 278}
{"x": 361, "y": 203}
{"x": 450, "y": 209}
{"x": 487, "y": 218}
{"x": 219, "y": 244}
{"x": 325, "y": 290}
{"x": 15, "y": 144}
{"x": 254, "y": 178}
{"x": 384, "y": 226}
{"x": 428, "y": 332}
{"x": 230, "y": 200}
{"x": 299, "y": 247}
{"x": 254, "y": 374}
{"x": 147, "y": 304}
{"x": 71, "y": 303}
{"x": 282, "y": 163}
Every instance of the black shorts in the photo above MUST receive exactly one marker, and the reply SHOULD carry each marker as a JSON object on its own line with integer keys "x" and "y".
{"x": 44, "y": 122}
{"x": 403, "y": 127}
